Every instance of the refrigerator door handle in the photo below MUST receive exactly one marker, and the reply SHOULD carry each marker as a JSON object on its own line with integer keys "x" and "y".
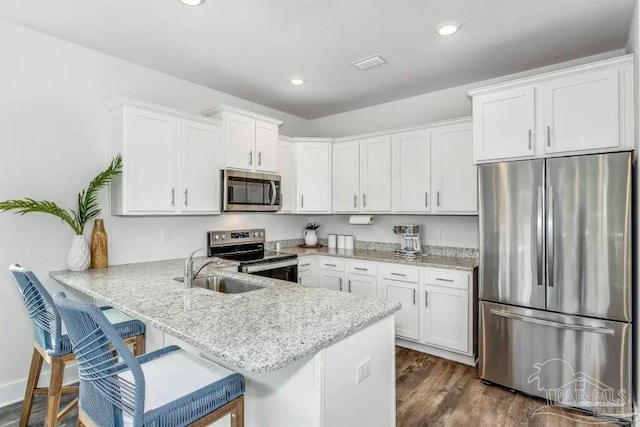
{"x": 539, "y": 244}
{"x": 551, "y": 323}
{"x": 550, "y": 231}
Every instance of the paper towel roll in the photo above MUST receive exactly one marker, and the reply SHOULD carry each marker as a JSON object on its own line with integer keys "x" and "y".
{"x": 361, "y": 219}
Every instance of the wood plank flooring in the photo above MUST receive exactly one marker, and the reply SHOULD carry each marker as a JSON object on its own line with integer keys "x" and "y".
{"x": 430, "y": 391}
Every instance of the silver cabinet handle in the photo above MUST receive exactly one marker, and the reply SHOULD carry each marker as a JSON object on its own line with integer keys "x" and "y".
{"x": 364, "y": 200}
{"x": 426, "y": 300}
{"x": 302, "y": 200}
{"x": 305, "y": 265}
{"x": 529, "y": 139}
{"x": 426, "y": 199}
{"x": 548, "y": 136}
{"x": 300, "y": 280}
{"x": 341, "y": 284}
{"x": 444, "y": 280}
{"x": 414, "y": 297}
{"x": 186, "y": 197}
{"x": 251, "y": 157}
{"x": 550, "y": 249}
{"x": 360, "y": 268}
{"x": 331, "y": 265}
{"x": 173, "y": 197}
{"x": 259, "y": 158}
{"x": 349, "y": 285}
{"x": 355, "y": 200}
{"x": 398, "y": 274}
{"x": 438, "y": 198}
{"x": 551, "y": 323}
{"x": 539, "y": 243}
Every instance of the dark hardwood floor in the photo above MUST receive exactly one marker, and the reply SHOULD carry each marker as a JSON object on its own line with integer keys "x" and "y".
{"x": 430, "y": 391}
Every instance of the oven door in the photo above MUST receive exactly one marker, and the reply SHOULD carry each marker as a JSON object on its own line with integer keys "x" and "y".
{"x": 250, "y": 192}
{"x": 284, "y": 270}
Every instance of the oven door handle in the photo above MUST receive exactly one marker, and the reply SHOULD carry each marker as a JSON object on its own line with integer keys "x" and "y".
{"x": 254, "y": 268}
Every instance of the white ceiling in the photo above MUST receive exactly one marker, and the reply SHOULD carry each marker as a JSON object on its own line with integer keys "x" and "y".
{"x": 250, "y": 48}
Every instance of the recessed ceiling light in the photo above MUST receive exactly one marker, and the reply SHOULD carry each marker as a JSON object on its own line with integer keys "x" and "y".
{"x": 297, "y": 81}
{"x": 447, "y": 28}
{"x": 192, "y": 2}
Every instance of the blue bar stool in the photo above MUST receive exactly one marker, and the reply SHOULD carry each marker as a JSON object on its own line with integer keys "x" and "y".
{"x": 51, "y": 344}
{"x": 168, "y": 387}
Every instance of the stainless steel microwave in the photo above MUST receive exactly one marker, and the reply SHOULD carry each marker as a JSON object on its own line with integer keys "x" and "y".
{"x": 250, "y": 191}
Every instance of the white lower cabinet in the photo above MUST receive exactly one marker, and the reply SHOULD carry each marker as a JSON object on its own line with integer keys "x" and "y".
{"x": 407, "y": 319}
{"x": 305, "y": 271}
{"x": 444, "y": 317}
{"x": 362, "y": 285}
{"x": 333, "y": 280}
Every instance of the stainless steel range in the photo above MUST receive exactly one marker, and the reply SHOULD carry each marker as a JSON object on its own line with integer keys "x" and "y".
{"x": 247, "y": 247}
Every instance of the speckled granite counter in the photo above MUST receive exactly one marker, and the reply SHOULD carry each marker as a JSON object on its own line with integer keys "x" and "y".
{"x": 448, "y": 262}
{"x": 258, "y": 331}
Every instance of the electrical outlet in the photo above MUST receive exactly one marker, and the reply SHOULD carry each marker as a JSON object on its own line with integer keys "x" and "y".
{"x": 437, "y": 232}
{"x": 363, "y": 370}
{"x": 165, "y": 235}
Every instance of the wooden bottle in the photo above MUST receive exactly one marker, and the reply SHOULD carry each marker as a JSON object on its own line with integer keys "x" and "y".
{"x": 99, "y": 251}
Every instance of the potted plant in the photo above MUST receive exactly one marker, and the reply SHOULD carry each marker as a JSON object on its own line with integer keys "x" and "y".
{"x": 309, "y": 234}
{"x": 88, "y": 208}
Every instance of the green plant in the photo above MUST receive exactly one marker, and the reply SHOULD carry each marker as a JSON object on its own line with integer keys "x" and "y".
{"x": 88, "y": 207}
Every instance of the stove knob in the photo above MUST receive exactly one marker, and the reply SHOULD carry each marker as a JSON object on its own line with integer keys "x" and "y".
{"x": 261, "y": 234}
{"x": 255, "y": 234}
{"x": 216, "y": 237}
{"x": 224, "y": 236}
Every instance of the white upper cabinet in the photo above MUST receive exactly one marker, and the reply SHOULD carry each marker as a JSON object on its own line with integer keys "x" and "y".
{"x": 454, "y": 177}
{"x": 411, "y": 154}
{"x": 287, "y": 172}
{"x": 313, "y": 168}
{"x": 375, "y": 174}
{"x": 171, "y": 160}
{"x": 581, "y": 112}
{"x": 346, "y": 177}
{"x": 503, "y": 125}
{"x": 199, "y": 181}
{"x": 250, "y": 140}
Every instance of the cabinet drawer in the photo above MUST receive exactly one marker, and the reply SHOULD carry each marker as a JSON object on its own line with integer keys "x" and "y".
{"x": 304, "y": 264}
{"x": 445, "y": 278}
{"x": 363, "y": 267}
{"x": 399, "y": 273}
{"x": 334, "y": 264}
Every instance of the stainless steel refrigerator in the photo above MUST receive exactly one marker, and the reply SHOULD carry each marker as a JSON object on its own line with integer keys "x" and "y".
{"x": 555, "y": 279}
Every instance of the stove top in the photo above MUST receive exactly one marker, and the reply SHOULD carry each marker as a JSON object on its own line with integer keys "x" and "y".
{"x": 246, "y": 246}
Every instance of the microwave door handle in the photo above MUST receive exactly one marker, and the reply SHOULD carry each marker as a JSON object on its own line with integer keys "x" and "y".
{"x": 273, "y": 192}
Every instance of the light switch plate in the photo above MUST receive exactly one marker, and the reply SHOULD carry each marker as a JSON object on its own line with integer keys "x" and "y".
{"x": 363, "y": 370}
{"x": 437, "y": 232}
{"x": 165, "y": 235}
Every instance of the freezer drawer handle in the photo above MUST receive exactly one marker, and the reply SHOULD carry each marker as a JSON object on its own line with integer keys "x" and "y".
{"x": 552, "y": 324}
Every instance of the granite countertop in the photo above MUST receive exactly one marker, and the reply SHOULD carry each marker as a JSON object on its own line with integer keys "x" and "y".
{"x": 258, "y": 331}
{"x": 435, "y": 261}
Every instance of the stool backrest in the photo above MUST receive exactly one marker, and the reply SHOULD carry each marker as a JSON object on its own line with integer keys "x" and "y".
{"x": 47, "y": 327}
{"x": 111, "y": 379}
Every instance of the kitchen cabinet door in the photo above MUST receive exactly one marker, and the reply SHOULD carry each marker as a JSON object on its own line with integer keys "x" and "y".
{"x": 444, "y": 317}
{"x": 346, "y": 177}
{"x": 240, "y": 137}
{"x": 150, "y": 152}
{"x": 313, "y": 166}
{"x": 199, "y": 168}
{"x": 454, "y": 176}
{"x": 363, "y": 285}
{"x": 412, "y": 171}
{"x": 582, "y": 112}
{"x": 333, "y": 280}
{"x": 503, "y": 125}
{"x": 407, "y": 319}
{"x": 287, "y": 172}
{"x": 266, "y": 147}
{"x": 306, "y": 278}
{"x": 375, "y": 174}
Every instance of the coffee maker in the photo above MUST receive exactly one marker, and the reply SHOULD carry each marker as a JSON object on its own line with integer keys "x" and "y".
{"x": 410, "y": 246}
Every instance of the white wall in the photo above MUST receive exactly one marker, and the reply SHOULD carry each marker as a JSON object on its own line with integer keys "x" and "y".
{"x": 457, "y": 231}
{"x": 53, "y": 140}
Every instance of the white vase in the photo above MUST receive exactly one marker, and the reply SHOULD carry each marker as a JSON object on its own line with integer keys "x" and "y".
{"x": 310, "y": 237}
{"x": 79, "y": 254}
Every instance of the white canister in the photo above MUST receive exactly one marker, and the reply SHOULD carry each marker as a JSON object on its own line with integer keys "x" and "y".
{"x": 342, "y": 241}
{"x": 278, "y": 246}
{"x": 332, "y": 240}
{"x": 350, "y": 242}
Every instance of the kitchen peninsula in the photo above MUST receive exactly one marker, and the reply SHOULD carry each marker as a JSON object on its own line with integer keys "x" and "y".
{"x": 298, "y": 347}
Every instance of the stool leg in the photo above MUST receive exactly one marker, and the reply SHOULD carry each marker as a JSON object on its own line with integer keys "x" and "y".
{"x": 240, "y": 412}
{"x": 32, "y": 383}
{"x": 138, "y": 345}
{"x": 55, "y": 389}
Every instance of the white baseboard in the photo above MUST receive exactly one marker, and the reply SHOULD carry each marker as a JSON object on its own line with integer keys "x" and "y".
{"x": 456, "y": 357}
{"x": 14, "y": 392}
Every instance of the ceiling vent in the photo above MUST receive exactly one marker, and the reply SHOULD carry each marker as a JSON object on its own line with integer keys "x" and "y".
{"x": 370, "y": 62}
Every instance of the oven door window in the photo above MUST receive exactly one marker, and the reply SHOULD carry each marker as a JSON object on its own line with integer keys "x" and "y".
{"x": 289, "y": 274}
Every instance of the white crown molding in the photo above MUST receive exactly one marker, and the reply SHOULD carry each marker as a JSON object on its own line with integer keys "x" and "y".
{"x": 619, "y": 61}
{"x": 131, "y": 102}
{"x": 224, "y": 108}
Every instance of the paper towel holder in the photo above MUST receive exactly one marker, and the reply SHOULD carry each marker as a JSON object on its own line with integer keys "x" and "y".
{"x": 361, "y": 219}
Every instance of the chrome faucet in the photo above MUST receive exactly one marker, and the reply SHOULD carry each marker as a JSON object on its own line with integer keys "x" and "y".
{"x": 189, "y": 275}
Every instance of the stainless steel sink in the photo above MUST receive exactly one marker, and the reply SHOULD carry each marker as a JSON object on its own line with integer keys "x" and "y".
{"x": 225, "y": 285}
